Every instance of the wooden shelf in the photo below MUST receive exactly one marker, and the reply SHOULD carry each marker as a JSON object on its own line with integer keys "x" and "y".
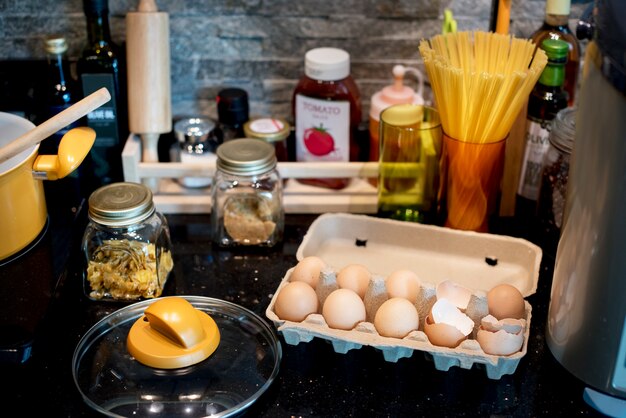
{"x": 170, "y": 196}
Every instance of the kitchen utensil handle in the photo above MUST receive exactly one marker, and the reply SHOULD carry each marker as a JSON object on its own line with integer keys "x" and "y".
{"x": 55, "y": 123}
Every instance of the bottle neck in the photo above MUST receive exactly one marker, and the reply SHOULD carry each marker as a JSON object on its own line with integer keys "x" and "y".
{"x": 98, "y": 28}
{"x": 58, "y": 68}
{"x": 553, "y": 75}
{"x": 557, "y": 20}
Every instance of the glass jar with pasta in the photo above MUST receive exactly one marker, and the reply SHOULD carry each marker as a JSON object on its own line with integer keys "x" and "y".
{"x": 126, "y": 245}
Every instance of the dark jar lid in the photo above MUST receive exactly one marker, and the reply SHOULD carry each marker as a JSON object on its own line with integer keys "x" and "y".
{"x": 121, "y": 204}
{"x": 232, "y": 106}
{"x": 246, "y": 157}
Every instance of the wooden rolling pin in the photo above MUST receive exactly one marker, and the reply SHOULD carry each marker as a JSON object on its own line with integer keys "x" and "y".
{"x": 55, "y": 123}
{"x": 148, "y": 59}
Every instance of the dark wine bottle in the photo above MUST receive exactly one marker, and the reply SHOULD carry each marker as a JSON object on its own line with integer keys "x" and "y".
{"x": 547, "y": 98}
{"x": 102, "y": 65}
{"x": 58, "y": 90}
{"x": 556, "y": 26}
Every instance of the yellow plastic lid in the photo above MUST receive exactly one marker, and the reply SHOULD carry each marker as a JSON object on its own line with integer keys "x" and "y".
{"x": 172, "y": 334}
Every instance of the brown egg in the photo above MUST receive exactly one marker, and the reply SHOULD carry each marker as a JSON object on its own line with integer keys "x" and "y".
{"x": 403, "y": 284}
{"x": 505, "y": 301}
{"x": 396, "y": 317}
{"x": 343, "y": 309}
{"x": 296, "y": 301}
{"x": 308, "y": 270}
{"x": 355, "y": 277}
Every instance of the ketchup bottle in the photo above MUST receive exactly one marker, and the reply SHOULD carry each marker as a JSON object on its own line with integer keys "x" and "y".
{"x": 327, "y": 112}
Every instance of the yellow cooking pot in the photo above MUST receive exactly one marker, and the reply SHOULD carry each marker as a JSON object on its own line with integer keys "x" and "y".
{"x": 23, "y": 211}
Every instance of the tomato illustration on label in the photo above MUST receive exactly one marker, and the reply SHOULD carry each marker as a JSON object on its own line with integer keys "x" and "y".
{"x": 318, "y": 141}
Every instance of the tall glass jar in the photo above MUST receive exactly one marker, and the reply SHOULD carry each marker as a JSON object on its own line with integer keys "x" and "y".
{"x": 555, "y": 174}
{"x": 247, "y": 195}
{"x": 126, "y": 244}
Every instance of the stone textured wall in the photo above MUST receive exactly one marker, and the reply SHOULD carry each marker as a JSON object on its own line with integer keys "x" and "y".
{"x": 259, "y": 45}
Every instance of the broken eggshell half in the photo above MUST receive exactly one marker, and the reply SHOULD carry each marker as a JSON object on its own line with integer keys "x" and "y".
{"x": 501, "y": 337}
{"x": 446, "y": 325}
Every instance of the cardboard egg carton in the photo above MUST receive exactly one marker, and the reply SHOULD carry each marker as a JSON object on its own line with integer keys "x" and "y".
{"x": 477, "y": 261}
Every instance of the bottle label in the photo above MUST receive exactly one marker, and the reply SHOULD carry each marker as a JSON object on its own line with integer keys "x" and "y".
{"x": 103, "y": 119}
{"x": 537, "y": 144}
{"x": 322, "y": 129}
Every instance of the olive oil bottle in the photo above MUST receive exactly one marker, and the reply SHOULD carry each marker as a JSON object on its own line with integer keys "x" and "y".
{"x": 547, "y": 98}
{"x": 58, "y": 91}
{"x": 102, "y": 65}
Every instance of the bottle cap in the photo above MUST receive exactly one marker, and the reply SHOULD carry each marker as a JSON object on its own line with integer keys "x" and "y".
{"x": 563, "y": 130}
{"x": 267, "y": 129}
{"x": 556, "y": 49}
{"x": 327, "y": 64}
{"x": 95, "y": 6}
{"x": 396, "y": 93}
{"x": 193, "y": 131}
{"x": 121, "y": 204}
{"x": 246, "y": 156}
{"x": 56, "y": 44}
{"x": 558, "y": 7}
{"x": 232, "y": 106}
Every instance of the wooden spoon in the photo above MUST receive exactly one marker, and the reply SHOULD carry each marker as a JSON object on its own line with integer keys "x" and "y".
{"x": 55, "y": 123}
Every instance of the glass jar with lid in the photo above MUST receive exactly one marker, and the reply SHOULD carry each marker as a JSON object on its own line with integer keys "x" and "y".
{"x": 126, "y": 244}
{"x": 272, "y": 130}
{"x": 246, "y": 195}
{"x": 555, "y": 173}
{"x": 197, "y": 139}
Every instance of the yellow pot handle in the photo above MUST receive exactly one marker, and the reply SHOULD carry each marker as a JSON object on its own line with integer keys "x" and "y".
{"x": 73, "y": 148}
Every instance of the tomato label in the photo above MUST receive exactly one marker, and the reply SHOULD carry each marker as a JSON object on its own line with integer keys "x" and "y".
{"x": 322, "y": 129}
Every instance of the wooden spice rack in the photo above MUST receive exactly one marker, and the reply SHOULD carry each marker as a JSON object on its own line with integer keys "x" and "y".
{"x": 170, "y": 196}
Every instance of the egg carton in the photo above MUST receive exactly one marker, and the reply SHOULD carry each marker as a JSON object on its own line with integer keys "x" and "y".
{"x": 477, "y": 261}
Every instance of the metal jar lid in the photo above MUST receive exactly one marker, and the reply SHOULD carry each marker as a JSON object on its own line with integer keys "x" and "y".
{"x": 563, "y": 131}
{"x": 246, "y": 157}
{"x": 121, "y": 204}
{"x": 267, "y": 129}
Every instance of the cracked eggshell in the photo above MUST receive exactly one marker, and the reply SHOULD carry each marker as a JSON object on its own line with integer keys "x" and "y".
{"x": 446, "y": 325}
{"x": 343, "y": 309}
{"x": 308, "y": 271}
{"x": 455, "y": 293}
{"x": 355, "y": 277}
{"x": 396, "y": 317}
{"x": 500, "y": 338}
{"x": 403, "y": 284}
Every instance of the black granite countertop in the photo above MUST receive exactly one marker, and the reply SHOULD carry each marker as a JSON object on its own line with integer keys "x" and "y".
{"x": 313, "y": 381}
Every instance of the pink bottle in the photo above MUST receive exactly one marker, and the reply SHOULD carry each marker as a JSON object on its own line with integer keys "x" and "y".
{"x": 396, "y": 93}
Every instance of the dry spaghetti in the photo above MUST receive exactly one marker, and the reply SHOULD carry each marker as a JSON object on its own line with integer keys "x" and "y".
{"x": 480, "y": 81}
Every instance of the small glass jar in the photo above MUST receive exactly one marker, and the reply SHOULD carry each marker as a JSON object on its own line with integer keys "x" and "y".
{"x": 555, "y": 172}
{"x": 272, "y": 130}
{"x": 197, "y": 141}
{"x": 126, "y": 245}
{"x": 247, "y": 195}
